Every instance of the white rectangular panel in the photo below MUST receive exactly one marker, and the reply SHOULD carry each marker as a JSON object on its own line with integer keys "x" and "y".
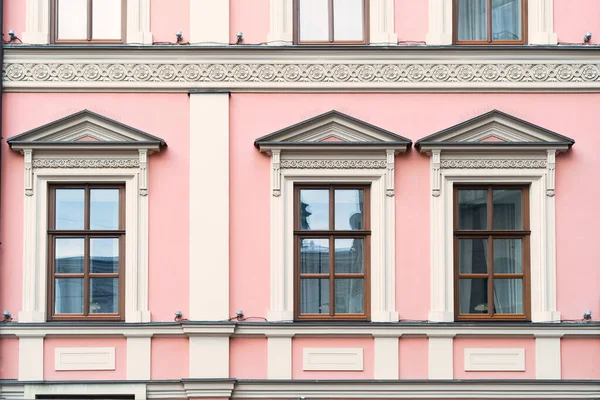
{"x": 494, "y": 359}
{"x": 332, "y": 359}
{"x": 72, "y": 19}
{"x": 314, "y": 21}
{"x": 84, "y": 358}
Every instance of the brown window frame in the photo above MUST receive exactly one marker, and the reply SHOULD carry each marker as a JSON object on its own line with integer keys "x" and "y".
{"x": 87, "y": 234}
{"x": 331, "y": 26}
{"x": 332, "y": 234}
{"x": 489, "y": 40}
{"x": 54, "y": 26}
{"x": 492, "y": 234}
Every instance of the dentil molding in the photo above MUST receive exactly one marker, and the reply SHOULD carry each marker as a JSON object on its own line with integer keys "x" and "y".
{"x": 269, "y": 69}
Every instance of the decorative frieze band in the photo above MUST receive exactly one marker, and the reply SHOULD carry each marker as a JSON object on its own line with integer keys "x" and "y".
{"x": 493, "y": 164}
{"x": 86, "y": 163}
{"x": 333, "y": 164}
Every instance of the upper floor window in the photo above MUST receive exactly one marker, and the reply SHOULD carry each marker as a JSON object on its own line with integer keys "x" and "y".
{"x": 330, "y": 21}
{"x": 86, "y": 234}
{"x": 490, "y": 21}
{"x": 88, "y": 21}
{"x": 332, "y": 251}
{"x": 491, "y": 248}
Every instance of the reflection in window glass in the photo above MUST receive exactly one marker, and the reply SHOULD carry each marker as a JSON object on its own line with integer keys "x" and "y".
{"x": 349, "y": 296}
{"x": 314, "y": 296}
{"x": 508, "y": 296}
{"x": 473, "y": 296}
{"x": 104, "y": 209}
{"x": 314, "y": 209}
{"x": 472, "y": 209}
{"x": 68, "y": 255}
{"x": 508, "y": 210}
{"x": 104, "y": 255}
{"x": 104, "y": 295}
{"x": 69, "y": 296}
{"x": 473, "y": 256}
{"x": 349, "y": 257}
{"x": 314, "y": 20}
{"x": 506, "y": 20}
{"x": 69, "y": 209}
{"x": 349, "y": 209}
{"x": 314, "y": 256}
{"x": 508, "y": 256}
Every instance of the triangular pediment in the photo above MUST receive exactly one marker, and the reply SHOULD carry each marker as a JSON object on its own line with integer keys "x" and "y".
{"x": 85, "y": 129}
{"x": 495, "y": 129}
{"x": 332, "y": 130}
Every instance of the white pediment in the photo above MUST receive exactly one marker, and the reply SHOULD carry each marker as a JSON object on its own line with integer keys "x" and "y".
{"x": 85, "y": 130}
{"x": 332, "y": 130}
{"x": 495, "y": 130}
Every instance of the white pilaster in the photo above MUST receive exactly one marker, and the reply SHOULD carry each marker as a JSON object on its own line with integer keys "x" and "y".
{"x": 541, "y": 22}
{"x": 441, "y": 357}
{"x": 209, "y": 168}
{"x": 138, "y": 357}
{"x": 209, "y": 22}
{"x": 37, "y": 22}
{"x": 279, "y": 357}
{"x": 440, "y": 23}
{"x": 138, "y": 22}
{"x": 547, "y": 356}
{"x": 281, "y": 23}
{"x": 381, "y": 23}
{"x": 31, "y": 357}
{"x": 386, "y": 357}
{"x": 209, "y": 357}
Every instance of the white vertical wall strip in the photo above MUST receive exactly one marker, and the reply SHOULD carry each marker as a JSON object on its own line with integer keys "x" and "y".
{"x": 31, "y": 358}
{"x": 209, "y": 22}
{"x": 209, "y": 357}
{"x": 139, "y": 353}
{"x": 547, "y": 357}
{"x": 209, "y": 207}
{"x": 386, "y": 357}
{"x": 279, "y": 357}
{"x": 441, "y": 357}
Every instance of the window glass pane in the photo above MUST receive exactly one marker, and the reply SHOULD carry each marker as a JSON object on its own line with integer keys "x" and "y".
{"x": 314, "y": 256}
{"x": 68, "y": 256}
{"x": 69, "y": 296}
{"x": 314, "y": 209}
{"x": 349, "y": 296}
{"x": 349, "y": 209}
{"x": 106, "y": 19}
{"x": 349, "y": 256}
{"x": 473, "y": 296}
{"x": 104, "y": 209}
{"x": 508, "y": 296}
{"x": 472, "y": 20}
{"x": 314, "y": 296}
{"x": 472, "y": 209}
{"x": 104, "y": 295}
{"x": 314, "y": 20}
{"x": 508, "y": 256}
{"x": 72, "y": 19}
{"x": 508, "y": 210}
{"x": 69, "y": 209}
{"x": 348, "y": 20}
{"x": 506, "y": 19}
{"x": 104, "y": 256}
{"x": 473, "y": 256}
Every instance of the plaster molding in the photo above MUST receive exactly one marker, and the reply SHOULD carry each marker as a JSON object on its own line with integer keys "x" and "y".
{"x": 86, "y": 163}
{"x": 35, "y": 69}
{"x": 493, "y": 163}
{"x": 332, "y": 359}
{"x": 494, "y": 359}
{"x": 279, "y": 357}
{"x": 84, "y": 358}
{"x": 209, "y": 22}
{"x": 547, "y": 358}
{"x": 334, "y": 164}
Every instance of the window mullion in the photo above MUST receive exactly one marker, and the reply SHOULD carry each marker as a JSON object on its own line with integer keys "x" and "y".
{"x": 489, "y": 21}
{"x": 331, "y": 32}
{"x": 86, "y": 276}
{"x": 89, "y": 19}
{"x": 331, "y": 276}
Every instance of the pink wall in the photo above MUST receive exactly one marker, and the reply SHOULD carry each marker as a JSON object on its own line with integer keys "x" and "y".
{"x": 297, "y": 357}
{"x": 580, "y": 358}
{"x": 248, "y": 358}
{"x": 9, "y": 358}
{"x": 459, "y": 350}
{"x": 14, "y": 17}
{"x": 413, "y": 358}
{"x": 573, "y": 20}
{"x": 119, "y": 373}
{"x": 411, "y": 21}
{"x": 170, "y": 358}
{"x": 251, "y": 18}
{"x": 168, "y": 224}
{"x": 169, "y": 17}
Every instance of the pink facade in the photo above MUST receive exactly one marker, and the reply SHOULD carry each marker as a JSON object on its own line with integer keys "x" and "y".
{"x": 219, "y": 285}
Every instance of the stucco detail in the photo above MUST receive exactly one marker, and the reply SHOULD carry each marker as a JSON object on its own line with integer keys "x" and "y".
{"x": 483, "y": 163}
{"x": 328, "y": 164}
{"x": 86, "y": 163}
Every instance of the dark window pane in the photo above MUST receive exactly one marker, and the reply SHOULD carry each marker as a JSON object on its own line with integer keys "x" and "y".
{"x": 348, "y": 20}
{"x": 314, "y": 20}
{"x": 472, "y": 19}
{"x": 508, "y": 256}
{"x": 473, "y": 296}
{"x": 473, "y": 256}
{"x": 508, "y": 296}
{"x": 68, "y": 255}
{"x": 314, "y": 256}
{"x": 104, "y": 255}
{"x": 104, "y": 209}
{"x": 69, "y": 296}
{"x": 349, "y": 296}
{"x": 506, "y": 20}
{"x": 349, "y": 209}
{"x": 69, "y": 209}
{"x": 314, "y": 209}
{"x": 472, "y": 209}
{"x": 508, "y": 210}
{"x": 314, "y": 296}
{"x": 104, "y": 295}
{"x": 349, "y": 256}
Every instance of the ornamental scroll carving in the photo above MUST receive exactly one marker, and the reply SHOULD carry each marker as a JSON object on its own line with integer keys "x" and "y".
{"x": 333, "y": 164}
{"x": 493, "y": 164}
{"x": 86, "y": 163}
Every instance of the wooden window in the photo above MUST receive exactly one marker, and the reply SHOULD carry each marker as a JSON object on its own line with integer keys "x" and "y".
{"x": 491, "y": 252}
{"x": 330, "y": 21}
{"x": 88, "y": 21}
{"x": 490, "y": 21}
{"x": 86, "y": 250}
{"x": 332, "y": 252}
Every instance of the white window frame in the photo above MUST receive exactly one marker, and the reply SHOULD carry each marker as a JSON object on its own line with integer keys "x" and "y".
{"x": 37, "y": 26}
{"x": 540, "y": 22}
{"x": 381, "y": 23}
